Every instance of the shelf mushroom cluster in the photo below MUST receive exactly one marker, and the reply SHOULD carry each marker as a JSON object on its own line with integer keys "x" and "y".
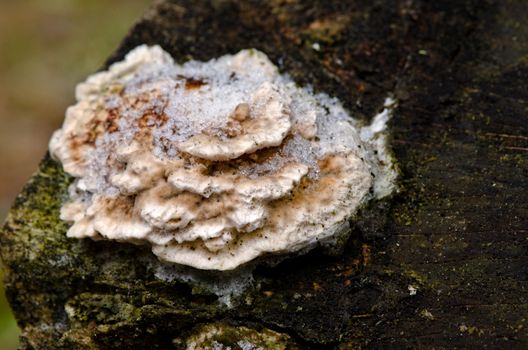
{"x": 214, "y": 163}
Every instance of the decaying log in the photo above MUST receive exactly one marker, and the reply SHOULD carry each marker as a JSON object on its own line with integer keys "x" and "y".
{"x": 443, "y": 264}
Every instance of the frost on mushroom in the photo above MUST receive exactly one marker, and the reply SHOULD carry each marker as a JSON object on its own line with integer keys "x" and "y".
{"x": 214, "y": 163}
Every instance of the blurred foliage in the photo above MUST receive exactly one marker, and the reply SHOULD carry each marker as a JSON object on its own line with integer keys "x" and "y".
{"x": 8, "y": 329}
{"x": 46, "y": 47}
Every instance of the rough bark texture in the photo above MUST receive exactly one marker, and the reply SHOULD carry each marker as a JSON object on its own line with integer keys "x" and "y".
{"x": 456, "y": 232}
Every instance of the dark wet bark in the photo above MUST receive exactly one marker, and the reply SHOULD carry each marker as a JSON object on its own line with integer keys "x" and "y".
{"x": 457, "y": 232}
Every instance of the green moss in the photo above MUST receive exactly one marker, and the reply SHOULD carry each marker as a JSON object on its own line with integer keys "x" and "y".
{"x": 219, "y": 335}
{"x": 39, "y": 204}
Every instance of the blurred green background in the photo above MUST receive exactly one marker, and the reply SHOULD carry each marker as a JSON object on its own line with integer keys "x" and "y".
{"x": 46, "y": 47}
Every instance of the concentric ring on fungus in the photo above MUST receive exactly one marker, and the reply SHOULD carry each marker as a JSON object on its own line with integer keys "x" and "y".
{"x": 214, "y": 163}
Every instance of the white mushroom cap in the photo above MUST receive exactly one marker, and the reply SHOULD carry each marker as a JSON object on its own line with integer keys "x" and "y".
{"x": 268, "y": 126}
{"x": 214, "y": 163}
{"x": 141, "y": 172}
{"x": 301, "y": 221}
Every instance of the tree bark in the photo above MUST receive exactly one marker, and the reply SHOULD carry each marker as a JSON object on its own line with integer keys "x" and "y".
{"x": 443, "y": 264}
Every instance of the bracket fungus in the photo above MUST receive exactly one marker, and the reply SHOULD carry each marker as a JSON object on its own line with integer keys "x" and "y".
{"x": 214, "y": 163}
